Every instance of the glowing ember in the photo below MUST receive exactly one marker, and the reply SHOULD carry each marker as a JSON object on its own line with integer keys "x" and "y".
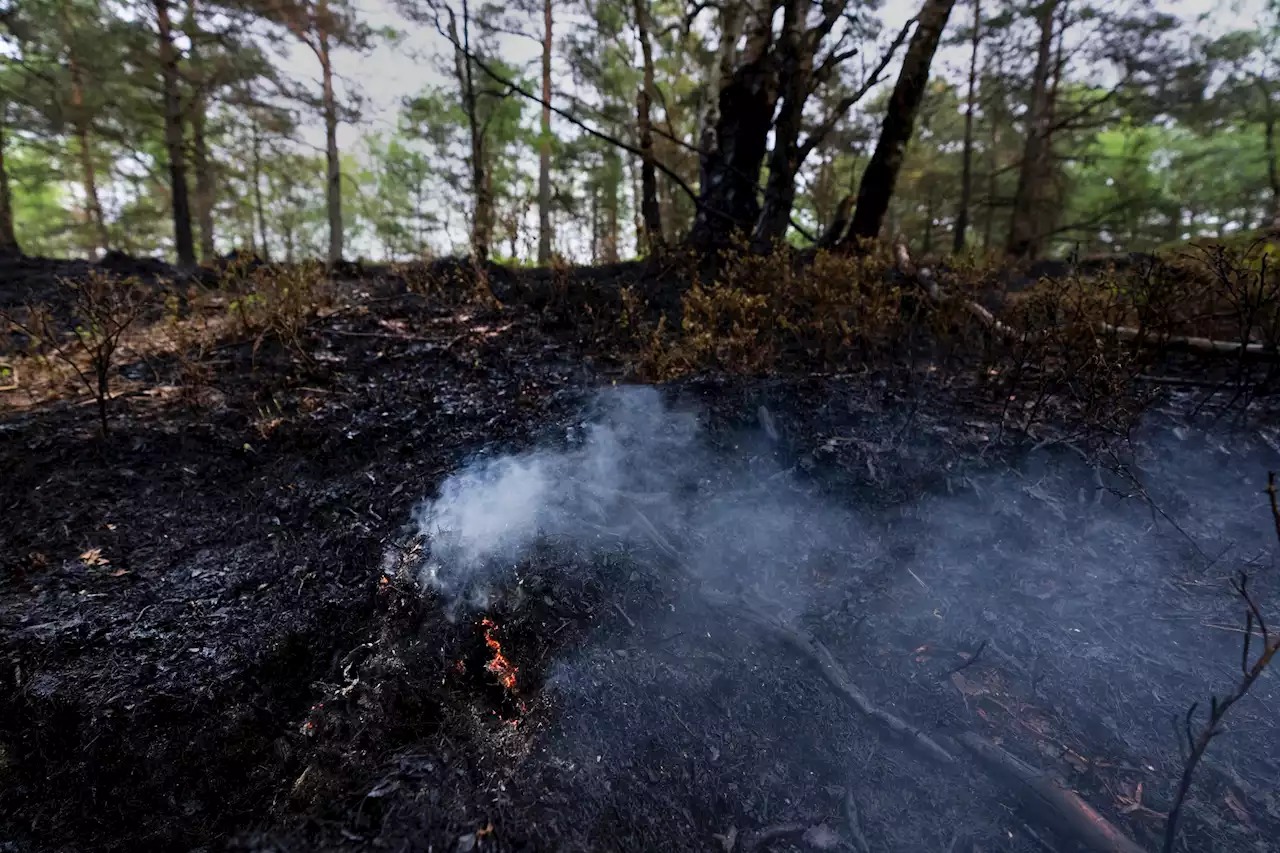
{"x": 499, "y": 666}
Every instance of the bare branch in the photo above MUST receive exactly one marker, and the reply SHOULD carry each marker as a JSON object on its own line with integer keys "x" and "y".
{"x": 824, "y": 129}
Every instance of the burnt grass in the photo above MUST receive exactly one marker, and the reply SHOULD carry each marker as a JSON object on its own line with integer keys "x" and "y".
{"x": 212, "y": 635}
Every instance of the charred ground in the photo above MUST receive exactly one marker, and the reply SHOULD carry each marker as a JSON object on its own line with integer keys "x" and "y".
{"x": 214, "y": 633}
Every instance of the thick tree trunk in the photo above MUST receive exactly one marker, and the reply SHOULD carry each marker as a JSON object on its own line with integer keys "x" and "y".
{"x": 966, "y": 169}
{"x": 1024, "y": 226}
{"x": 544, "y": 154}
{"x": 650, "y": 212}
{"x": 728, "y": 202}
{"x": 173, "y": 134}
{"x": 8, "y": 239}
{"x": 732, "y": 16}
{"x": 796, "y": 51}
{"x": 878, "y": 180}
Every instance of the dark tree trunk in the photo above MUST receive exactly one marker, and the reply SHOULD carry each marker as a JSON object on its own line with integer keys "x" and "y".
{"x": 878, "y": 180}
{"x": 650, "y": 212}
{"x": 839, "y": 222}
{"x": 544, "y": 153}
{"x": 732, "y": 16}
{"x": 184, "y": 245}
{"x": 728, "y": 201}
{"x": 1025, "y": 225}
{"x": 482, "y": 214}
{"x": 966, "y": 170}
{"x": 784, "y": 160}
{"x": 8, "y": 239}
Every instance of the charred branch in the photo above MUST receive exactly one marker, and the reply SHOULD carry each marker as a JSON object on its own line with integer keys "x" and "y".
{"x": 1048, "y": 799}
{"x": 1197, "y": 742}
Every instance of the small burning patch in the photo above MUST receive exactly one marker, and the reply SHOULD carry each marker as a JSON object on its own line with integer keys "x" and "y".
{"x": 498, "y": 665}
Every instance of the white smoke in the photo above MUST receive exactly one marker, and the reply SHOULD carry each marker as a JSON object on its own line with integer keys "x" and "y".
{"x": 489, "y": 514}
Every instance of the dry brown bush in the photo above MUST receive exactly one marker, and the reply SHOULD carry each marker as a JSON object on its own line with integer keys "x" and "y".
{"x": 1085, "y": 339}
{"x": 765, "y": 312}
{"x": 279, "y": 301}
{"x": 102, "y": 307}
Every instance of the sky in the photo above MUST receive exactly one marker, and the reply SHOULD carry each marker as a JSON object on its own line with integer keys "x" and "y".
{"x": 389, "y": 73}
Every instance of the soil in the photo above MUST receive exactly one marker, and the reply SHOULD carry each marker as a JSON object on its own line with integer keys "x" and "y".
{"x": 214, "y": 634}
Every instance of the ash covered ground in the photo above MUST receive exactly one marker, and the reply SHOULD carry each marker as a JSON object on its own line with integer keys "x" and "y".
{"x": 278, "y": 641}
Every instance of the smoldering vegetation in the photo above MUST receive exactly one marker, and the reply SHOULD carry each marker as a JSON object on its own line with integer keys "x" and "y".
{"x": 1069, "y": 604}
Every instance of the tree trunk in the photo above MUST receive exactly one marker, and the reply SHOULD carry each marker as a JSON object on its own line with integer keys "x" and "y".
{"x": 199, "y": 148}
{"x": 926, "y": 244}
{"x": 728, "y": 202}
{"x": 595, "y": 224}
{"x": 637, "y": 221}
{"x": 8, "y": 240}
{"x": 796, "y": 51}
{"x": 481, "y": 210}
{"x": 613, "y": 182}
{"x": 966, "y": 170}
{"x": 993, "y": 171}
{"x": 80, "y": 121}
{"x": 88, "y": 170}
{"x": 544, "y": 156}
{"x": 649, "y": 209}
{"x": 204, "y": 181}
{"x": 839, "y": 222}
{"x": 1273, "y": 169}
{"x": 1024, "y": 226}
{"x": 173, "y": 135}
{"x": 333, "y": 187}
{"x": 732, "y": 16}
{"x": 878, "y": 180}
{"x": 257, "y": 192}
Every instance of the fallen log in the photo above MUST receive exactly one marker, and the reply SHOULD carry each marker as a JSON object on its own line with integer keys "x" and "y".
{"x": 1183, "y": 343}
{"x": 1049, "y": 799}
{"x": 1192, "y": 343}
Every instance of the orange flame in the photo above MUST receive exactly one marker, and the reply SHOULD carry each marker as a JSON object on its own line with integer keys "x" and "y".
{"x": 499, "y": 666}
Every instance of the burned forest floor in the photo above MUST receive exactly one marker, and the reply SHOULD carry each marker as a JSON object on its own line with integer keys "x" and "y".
{"x": 383, "y": 561}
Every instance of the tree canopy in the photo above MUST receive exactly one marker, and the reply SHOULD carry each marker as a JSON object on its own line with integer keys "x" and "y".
{"x": 603, "y": 129}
